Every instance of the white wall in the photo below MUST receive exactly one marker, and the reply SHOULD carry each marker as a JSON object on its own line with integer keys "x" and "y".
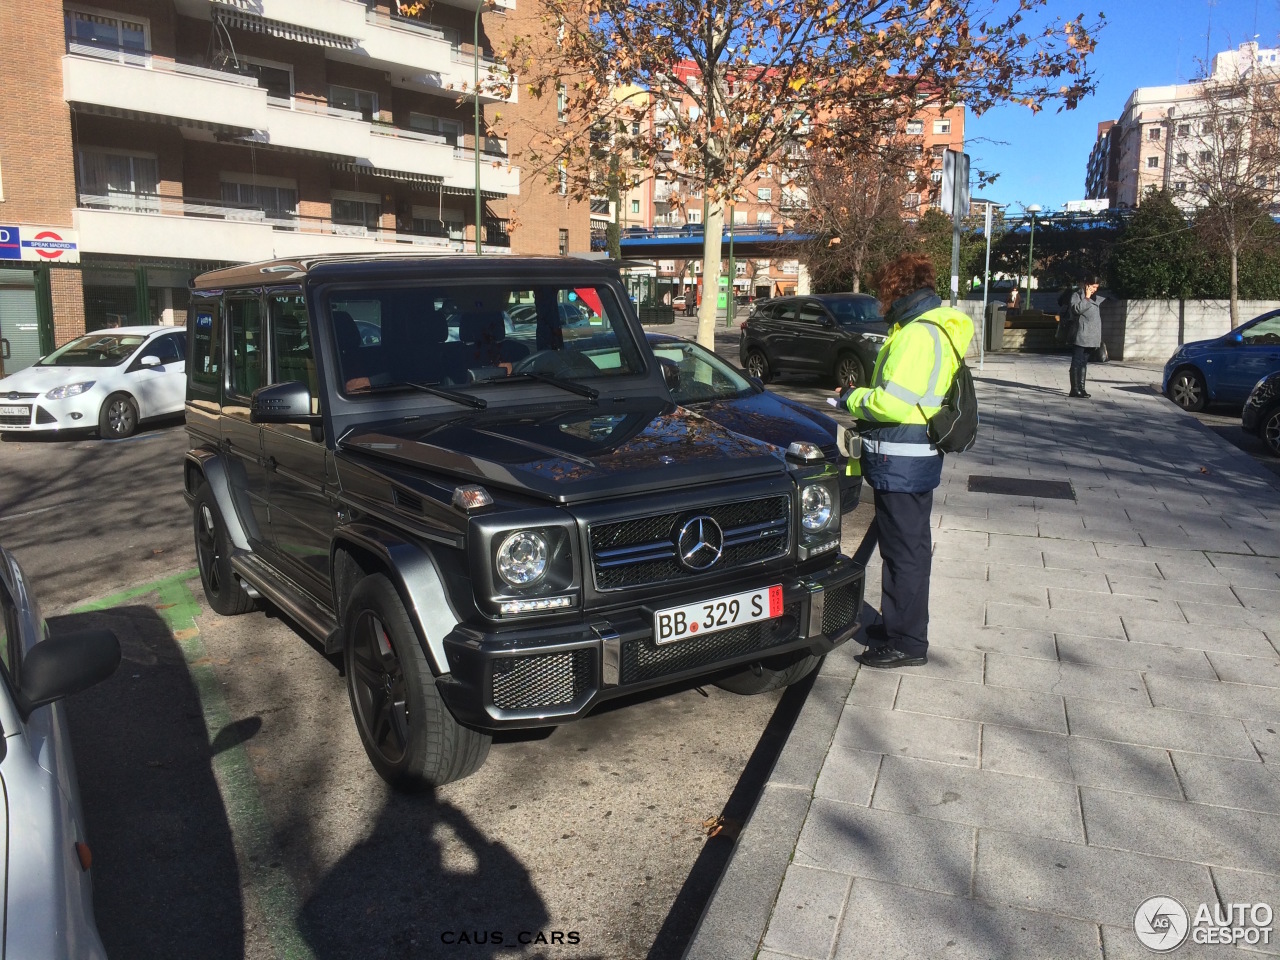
{"x": 1153, "y": 329}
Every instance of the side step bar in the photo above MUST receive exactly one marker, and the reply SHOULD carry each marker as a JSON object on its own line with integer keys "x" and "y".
{"x": 290, "y": 598}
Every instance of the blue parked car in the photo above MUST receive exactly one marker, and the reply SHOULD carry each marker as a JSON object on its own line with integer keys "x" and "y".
{"x": 1225, "y": 369}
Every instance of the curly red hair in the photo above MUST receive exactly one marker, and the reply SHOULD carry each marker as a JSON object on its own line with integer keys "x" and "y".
{"x": 902, "y": 277}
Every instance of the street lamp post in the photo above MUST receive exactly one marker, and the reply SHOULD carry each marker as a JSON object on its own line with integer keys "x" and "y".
{"x": 1031, "y": 247}
{"x": 475, "y": 93}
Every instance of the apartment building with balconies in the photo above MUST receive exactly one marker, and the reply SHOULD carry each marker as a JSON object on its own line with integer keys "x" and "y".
{"x": 175, "y": 135}
{"x": 1162, "y": 129}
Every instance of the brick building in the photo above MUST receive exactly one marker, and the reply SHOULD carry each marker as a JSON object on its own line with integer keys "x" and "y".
{"x": 177, "y": 135}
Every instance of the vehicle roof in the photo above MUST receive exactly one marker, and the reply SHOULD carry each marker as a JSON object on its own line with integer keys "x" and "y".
{"x": 134, "y": 331}
{"x": 333, "y": 266}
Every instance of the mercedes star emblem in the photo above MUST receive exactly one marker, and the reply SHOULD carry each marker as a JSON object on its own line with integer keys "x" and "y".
{"x": 700, "y": 543}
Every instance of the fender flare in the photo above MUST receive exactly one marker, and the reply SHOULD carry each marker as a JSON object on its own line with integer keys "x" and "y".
{"x": 415, "y": 572}
{"x": 210, "y": 467}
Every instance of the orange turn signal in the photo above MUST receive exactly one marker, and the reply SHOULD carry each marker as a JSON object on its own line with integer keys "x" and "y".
{"x": 85, "y": 855}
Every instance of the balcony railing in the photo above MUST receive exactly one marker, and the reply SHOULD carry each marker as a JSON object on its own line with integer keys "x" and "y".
{"x": 181, "y": 206}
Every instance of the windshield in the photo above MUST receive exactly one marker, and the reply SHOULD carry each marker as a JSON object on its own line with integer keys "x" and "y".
{"x": 703, "y": 375}
{"x": 466, "y": 333}
{"x": 95, "y": 350}
{"x": 854, "y": 310}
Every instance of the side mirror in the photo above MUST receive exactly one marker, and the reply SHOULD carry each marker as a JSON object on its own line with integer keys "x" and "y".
{"x": 61, "y": 665}
{"x": 670, "y": 373}
{"x": 828, "y": 322}
{"x": 151, "y": 360}
{"x": 282, "y": 403}
{"x": 1237, "y": 339}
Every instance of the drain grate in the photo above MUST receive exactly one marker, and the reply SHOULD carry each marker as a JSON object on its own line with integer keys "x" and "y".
{"x": 1022, "y": 487}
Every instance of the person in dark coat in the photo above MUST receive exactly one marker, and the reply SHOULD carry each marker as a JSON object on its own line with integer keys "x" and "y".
{"x": 1085, "y": 315}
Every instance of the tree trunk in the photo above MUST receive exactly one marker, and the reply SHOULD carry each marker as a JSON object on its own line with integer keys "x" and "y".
{"x": 712, "y": 239}
{"x": 1235, "y": 290}
{"x": 613, "y": 232}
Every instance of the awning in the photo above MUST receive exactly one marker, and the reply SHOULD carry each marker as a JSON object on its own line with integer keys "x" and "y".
{"x": 238, "y": 13}
{"x": 470, "y": 192}
{"x": 382, "y": 173}
{"x": 119, "y": 113}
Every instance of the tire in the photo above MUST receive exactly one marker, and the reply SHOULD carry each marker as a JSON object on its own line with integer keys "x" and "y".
{"x": 411, "y": 738}
{"x": 118, "y": 417}
{"x": 770, "y": 675}
{"x": 222, "y": 588}
{"x": 1269, "y": 431}
{"x": 848, "y": 371}
{"x": 1187, "y": 389}
{"x": 757, "y": 366}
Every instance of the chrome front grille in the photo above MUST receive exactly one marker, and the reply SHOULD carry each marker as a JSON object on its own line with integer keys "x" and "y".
{"x": 642, "y": 551}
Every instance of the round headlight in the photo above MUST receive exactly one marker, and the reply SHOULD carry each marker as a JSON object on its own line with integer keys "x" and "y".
{"x": 522, "y": 558}
{"x": 815, "y": 507}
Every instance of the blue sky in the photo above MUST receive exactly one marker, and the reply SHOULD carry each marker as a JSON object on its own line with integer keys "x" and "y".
{"x": 1041, "y": 158}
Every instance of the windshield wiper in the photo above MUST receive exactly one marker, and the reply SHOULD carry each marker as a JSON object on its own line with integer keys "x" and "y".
{"x": 476, "y": 403}
{"x": 582, "y": 390}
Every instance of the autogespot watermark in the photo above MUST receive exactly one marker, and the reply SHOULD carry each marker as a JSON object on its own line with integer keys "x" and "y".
{"x": 1162, "y": 924}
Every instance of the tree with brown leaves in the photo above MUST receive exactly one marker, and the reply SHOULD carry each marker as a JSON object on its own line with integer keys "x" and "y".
{"x": 737, "y": 84}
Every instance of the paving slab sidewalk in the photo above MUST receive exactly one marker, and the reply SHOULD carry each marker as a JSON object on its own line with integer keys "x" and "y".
{"x": 1099, "y": 722}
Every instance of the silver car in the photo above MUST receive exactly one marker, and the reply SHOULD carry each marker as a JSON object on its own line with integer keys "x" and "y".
{"x": 44, "y": 857}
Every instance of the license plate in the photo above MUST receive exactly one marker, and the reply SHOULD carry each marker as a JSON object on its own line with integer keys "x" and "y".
{"x": 15, "y": 411}
{"x": 722, "y": 613}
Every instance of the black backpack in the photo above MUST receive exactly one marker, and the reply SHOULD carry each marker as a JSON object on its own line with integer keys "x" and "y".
{"x": 954, "y": 428}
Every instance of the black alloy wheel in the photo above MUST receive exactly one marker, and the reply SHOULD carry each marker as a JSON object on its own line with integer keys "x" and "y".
{"x": 1270, "y": 432}
{"x": 379, "y": 694}
{"x": 757, "y": 366}
{"x": 222, "y": 588}
{"x": 411, "y": 738}
{"x": 118, "y": 418}
{"x": 1187, "y": 389}
{"x": 848, "y": 371}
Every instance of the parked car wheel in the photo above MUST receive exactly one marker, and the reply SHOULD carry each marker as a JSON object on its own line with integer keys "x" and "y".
{"x": 758, "y": 366}
{"x": 118, "y": 418}
{"x": 1270, "y": 432}
{"x": 1187, "y": 389}
{"x": 848, "y": 372}
{"x": 411, "y": 738}
{"x": 222, "y": 588}
{"x": 770, "y": 675}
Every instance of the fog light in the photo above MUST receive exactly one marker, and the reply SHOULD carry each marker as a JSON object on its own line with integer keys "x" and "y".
{"x": 532, "y": 606}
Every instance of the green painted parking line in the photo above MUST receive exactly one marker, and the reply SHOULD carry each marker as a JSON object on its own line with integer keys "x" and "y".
{"x": 271, "y": 889}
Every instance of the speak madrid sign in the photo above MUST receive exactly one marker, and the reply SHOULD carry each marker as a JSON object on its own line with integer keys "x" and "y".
{"x": 39, "y": 244}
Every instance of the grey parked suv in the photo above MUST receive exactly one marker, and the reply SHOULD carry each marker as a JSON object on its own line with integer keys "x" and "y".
{"x": 497, "y": 525}
{"x": 835, "y": 336}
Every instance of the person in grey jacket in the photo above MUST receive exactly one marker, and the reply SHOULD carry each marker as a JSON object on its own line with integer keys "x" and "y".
{"x": 1084, "y": 313}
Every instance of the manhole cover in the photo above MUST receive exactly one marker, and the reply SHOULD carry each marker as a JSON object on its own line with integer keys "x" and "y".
{"x": 1022, "y": 487}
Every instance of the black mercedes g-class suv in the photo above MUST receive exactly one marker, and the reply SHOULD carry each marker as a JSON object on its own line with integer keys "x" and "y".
{"x": 467, "y": 476}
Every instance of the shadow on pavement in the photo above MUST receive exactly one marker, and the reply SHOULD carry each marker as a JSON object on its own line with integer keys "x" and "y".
{"x": 166, "y": 882}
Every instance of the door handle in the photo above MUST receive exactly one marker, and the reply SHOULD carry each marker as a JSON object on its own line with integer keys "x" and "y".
{"x": 269, "y": 463}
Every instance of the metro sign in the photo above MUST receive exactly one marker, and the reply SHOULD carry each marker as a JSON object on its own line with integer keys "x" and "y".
{"x": 39, "y": 244}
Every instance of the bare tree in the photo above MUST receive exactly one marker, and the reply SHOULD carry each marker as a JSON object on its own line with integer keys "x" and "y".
{"x": 735, "y": 84}
{"x": 854, "y": 210}
{"x": 1226, "y": 161}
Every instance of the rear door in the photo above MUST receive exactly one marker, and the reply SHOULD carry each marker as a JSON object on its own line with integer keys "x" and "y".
{"x": 242, "y": 440}
{"x": 303, "y": 510}
{"x": 814, "y": 338}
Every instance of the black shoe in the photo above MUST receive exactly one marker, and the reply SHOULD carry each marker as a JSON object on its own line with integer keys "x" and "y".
{"x": 1074, "y": 393}
{"x": 1082, "y": 395}
{"x": 886, "y": 656}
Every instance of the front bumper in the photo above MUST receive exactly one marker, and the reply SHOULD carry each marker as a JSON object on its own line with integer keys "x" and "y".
{"x": 41, "y": 415}
{"x": 541, "y": 676}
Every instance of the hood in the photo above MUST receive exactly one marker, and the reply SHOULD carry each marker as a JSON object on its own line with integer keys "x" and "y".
{"x": 36, "y": 379}
{"x": 577, "y": 454}
{"x": 771, "y": 418}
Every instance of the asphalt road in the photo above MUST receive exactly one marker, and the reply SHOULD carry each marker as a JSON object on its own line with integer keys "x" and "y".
{"x": 232, "y": 812}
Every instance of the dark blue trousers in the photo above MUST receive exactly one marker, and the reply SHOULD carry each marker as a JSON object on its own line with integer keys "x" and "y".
{"x": 906, "y": 548}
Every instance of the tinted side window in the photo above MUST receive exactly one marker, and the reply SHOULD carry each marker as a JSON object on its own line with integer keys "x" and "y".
{"x": 811, "y": 313}
{"x": 166, "y": 349}
{"x": 9, "y": 640}
{"x": 244, "y": 320}
{"x": 206, "y": 347}
{"x": 785, "y": 311}
{"x": 291, "y": 338}
{"x": 1266, "y": 333}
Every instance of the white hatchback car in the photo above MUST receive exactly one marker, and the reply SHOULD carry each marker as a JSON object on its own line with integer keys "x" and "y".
{"x": 46, "y": 895}
{"x": 110, "y": 380}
